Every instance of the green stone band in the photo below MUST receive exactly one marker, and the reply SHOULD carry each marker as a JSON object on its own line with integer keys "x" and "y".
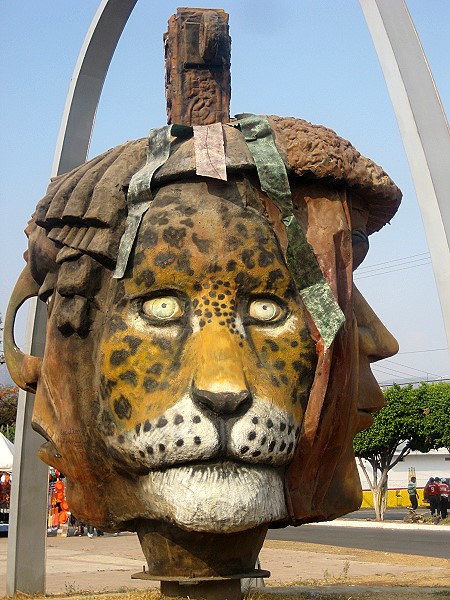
{"x": 313, "y": 288}
{"x": 139, "y": 195}
{"x": 269, "y": 164}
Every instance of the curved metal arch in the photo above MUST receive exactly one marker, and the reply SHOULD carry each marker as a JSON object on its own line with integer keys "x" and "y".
{"x": 28, "y": 514}
{"x": 423, "y": 127}
{"x": 87, "y": 82}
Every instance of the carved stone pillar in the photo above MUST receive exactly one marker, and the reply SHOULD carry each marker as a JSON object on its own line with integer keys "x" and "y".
{"x": 197, "y": 62}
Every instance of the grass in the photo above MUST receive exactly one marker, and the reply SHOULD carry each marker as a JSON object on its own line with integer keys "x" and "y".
{"x": 323, "y": 594}
{"x": 425, "y": 519}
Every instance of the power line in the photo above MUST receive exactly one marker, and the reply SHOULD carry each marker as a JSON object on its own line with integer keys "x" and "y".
{"x": 412, "y": 368}
{"x": 394, "y": 379}
{"x": 419, "y": 351}
{"x": 403, "y": 374}
{"x": 389, "y": 371}
{"x": 388, "y": 267}
{"x": 393, "y": 260}
{"x": 386, "y": 271}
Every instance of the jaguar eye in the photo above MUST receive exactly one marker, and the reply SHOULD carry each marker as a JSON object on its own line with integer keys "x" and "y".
{"x": 164, "y": 308}
{"x": 265, "y": 310}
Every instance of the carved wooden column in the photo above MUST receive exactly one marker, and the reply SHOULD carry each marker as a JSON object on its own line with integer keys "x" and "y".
{"x": 197, "y": 62}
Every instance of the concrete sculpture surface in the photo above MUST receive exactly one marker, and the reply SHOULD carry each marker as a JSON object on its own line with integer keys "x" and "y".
{"x": 208, "y": 356}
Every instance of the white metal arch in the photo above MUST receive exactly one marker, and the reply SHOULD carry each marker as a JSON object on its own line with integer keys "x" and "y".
{"x": 423, "y": 127}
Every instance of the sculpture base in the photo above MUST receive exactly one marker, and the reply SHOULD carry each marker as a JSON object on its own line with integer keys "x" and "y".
{"x": 229, "y": 589}
{"x": 213, "y": 588}
{"x": 175, "y": 554}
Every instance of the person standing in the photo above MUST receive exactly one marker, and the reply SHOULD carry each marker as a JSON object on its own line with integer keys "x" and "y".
{"x": 91, "y": 530}
{"x": 413, "y": 495}
{"x": 425, "y": 489}
{"x": 79, "y": 528}
{"x": 431, "y": 491}
{"x": 444, "y": 493}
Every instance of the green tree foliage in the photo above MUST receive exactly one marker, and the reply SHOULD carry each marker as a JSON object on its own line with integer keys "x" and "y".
{"x": 9, "y": 431}
{"x": 435, "y": 399}
{"x": 8, "y": 410}
{"x": 413, "y": 419}
{"x": 2, "y": 356}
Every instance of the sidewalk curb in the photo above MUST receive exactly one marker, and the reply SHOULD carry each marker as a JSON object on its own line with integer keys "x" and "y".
{"x": 383, "y": 525}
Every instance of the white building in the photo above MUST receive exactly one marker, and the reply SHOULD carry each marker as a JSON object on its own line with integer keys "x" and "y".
{"x": 435, "y": 463}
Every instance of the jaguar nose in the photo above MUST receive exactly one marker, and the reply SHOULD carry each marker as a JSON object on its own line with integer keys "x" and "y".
{"x": 223, "y": 403}
{"x": 219, "y": 383}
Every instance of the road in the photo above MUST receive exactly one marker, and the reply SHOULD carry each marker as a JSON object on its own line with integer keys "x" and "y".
{"x": 422, "y": 543}
{"x": 391, "y": 514}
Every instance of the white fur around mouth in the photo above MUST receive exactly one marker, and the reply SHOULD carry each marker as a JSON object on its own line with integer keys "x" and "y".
{"x": 222, "y": 497}
{"x": 184, "y": 434}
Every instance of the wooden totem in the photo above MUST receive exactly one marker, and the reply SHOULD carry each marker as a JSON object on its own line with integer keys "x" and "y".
{"x": 197, "y": 62}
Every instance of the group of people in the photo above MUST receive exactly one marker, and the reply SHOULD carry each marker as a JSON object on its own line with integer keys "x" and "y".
{"x": 79, "y": 527}
{"x": 436, "y": 492}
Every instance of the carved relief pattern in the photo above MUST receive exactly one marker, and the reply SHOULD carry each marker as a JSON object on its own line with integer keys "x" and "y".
{"x": 198, "y": 87}
{"x": 205, "y": 99}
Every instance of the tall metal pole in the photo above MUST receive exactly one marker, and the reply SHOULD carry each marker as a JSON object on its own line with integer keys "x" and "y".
{"x": 25, "y": 570}
{"x": 27, "y": 529}
{"x": 423, "y": 127}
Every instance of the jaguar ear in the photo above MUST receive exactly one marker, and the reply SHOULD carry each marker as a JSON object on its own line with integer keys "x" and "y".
{"x": 24, "y": 368}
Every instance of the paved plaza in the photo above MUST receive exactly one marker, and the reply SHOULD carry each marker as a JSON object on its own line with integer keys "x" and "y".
{"x": 105, "y": 564}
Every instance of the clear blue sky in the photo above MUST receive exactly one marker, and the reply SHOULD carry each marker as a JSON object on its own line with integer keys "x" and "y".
{"x": 312, "y": 59}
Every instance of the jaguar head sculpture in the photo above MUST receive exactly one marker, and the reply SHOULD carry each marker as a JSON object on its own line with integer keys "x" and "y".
{"x": 197, "y": 394}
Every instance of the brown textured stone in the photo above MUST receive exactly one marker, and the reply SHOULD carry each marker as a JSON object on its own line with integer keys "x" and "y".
{"x": 314, "y": 151}
{"x": 79, "y": 277}
{"x": 100, "y": 341}
{"x": 73, "y": 315}
{"x": 170, "y": 551}
{"x": 197, "y": 58}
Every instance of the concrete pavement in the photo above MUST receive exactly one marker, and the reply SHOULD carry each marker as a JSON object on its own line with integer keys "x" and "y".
{"x": 391, "y": 524}
{"x": 105, "y": 564}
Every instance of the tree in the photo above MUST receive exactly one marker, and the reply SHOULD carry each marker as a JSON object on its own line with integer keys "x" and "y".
{"x": 8, "y": 399}
{"x": 2, "y": 355}
{"x": 436, "y": 399}
{"x": 8, "y": 410}
{"x": 398, "y": 427}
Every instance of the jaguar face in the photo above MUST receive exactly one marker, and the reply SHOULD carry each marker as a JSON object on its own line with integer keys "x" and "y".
{"x": 206, "y": 364}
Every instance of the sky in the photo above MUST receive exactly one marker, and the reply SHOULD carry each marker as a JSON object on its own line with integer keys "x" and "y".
{"x": 312, "y": 59}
